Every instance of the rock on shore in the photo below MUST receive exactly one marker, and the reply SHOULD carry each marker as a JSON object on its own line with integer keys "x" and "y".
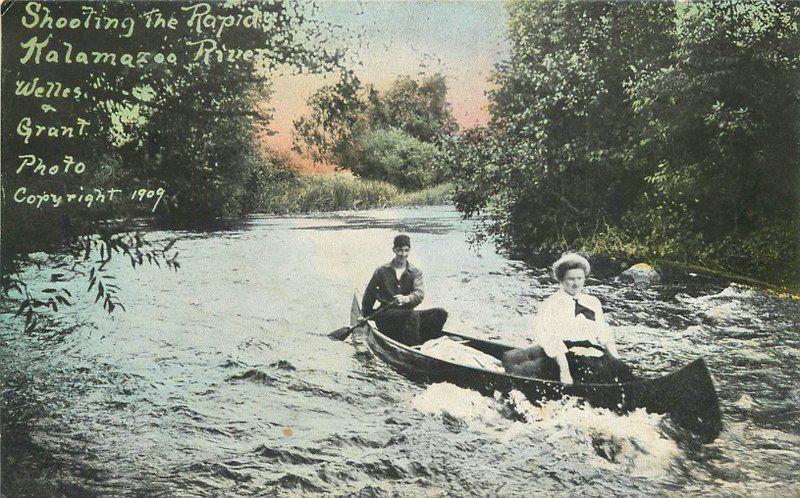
{"x": 640, "y": 274}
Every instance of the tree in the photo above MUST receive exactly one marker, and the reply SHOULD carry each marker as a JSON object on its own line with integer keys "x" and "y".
{"x": 338, "y": 117}
{"x": 419, "y": 108}
{"x": 183, "y": 117}
{"x": 719, "y": 138}
{"x": 349, "y": 119}
{"x": 561, "y": 122}
{"x": 671, "y": 131}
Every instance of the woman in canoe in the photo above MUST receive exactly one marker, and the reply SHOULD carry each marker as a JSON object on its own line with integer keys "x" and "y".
{"x": 574, "y": 343}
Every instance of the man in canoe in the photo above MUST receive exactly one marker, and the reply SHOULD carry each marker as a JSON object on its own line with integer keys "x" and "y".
{"x": 574, "y": 343}
{"x": 398, "y": 287}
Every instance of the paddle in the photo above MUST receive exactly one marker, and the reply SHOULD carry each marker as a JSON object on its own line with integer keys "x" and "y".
{"x": 344, "y": 332}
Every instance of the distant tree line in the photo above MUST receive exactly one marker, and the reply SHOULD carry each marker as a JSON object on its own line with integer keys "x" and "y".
{"x": 649, "y": 129}
{"x": 393, "y": 135}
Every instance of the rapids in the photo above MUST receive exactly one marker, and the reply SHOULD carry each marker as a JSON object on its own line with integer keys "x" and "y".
{"x": 219, "y": 378}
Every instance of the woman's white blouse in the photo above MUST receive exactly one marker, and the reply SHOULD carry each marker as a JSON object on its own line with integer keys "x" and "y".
{"x": 556, "y": 322}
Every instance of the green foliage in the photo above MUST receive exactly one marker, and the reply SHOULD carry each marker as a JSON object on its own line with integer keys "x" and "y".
{"x": 771, "y": 251}
{"x": 269, "y": 181}
{"x": 393, "y": 156}
{"x": 438, "y": 195}
{"x": 343, "y": 191}
{"x": 629, "y": 125}
{"x": 188, "y": 127}
{"x": 331, "y": 192}
{"x": 419, "y": 108}
{"x": 611, "y": 241}
{"x": 724, "y": 165}
{"x": 474, "y": 159}
{"x": 554, "y": 161}
{"x": 350, "y": 121}
{"x": 338, "y": 117}
{"x": 339, "y": 192}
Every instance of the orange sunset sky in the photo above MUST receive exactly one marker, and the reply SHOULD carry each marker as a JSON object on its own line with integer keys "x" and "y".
{"x": 462, "y": 40}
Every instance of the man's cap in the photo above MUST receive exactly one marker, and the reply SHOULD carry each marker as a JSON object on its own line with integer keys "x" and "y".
{"x": 402, "y": 240}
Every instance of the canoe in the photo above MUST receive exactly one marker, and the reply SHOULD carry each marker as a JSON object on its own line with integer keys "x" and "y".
{"x": 686, "y": 395}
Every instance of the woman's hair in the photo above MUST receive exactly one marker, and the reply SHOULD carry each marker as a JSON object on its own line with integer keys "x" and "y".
{"x": 570, "y": 261}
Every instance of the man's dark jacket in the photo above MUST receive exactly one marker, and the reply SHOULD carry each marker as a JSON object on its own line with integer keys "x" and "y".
{"x": 383, "y": 286}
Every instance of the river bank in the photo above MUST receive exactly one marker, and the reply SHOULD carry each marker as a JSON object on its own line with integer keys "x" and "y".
{"x": 332, "y": 193}
{"x": 615, "y": 251}
{"x": 612, "y": 264}
{"x": 342, "y": 192}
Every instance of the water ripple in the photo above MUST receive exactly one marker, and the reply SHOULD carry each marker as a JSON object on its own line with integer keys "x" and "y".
{"x": 219, "y": 380}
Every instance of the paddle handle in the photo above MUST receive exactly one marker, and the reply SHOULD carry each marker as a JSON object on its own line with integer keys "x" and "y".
{"x": 375, "y": 313}
{"x": 342, "y": 333}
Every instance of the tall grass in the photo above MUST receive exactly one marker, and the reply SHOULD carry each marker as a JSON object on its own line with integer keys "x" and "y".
{"x": 342, "y": 191}
{"x": 338, "y": 191}
{"x": 438, "y": 195}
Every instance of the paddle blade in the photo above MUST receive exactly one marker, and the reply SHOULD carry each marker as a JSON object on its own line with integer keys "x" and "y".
{"x": 340, "y": 334}
{"x": 355, "y": 311}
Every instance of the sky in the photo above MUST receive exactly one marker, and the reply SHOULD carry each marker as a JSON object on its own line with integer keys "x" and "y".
{"x": 462, "y": 40}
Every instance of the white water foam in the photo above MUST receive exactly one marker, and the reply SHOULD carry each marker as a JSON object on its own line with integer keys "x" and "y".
{"x": 729, "y": 304}
{"x": 730, "y": 292}
{"x": 464, "y": 404}
{"x": 630, "y": 443}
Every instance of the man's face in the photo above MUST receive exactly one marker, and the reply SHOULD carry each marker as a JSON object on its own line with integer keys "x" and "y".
{"x": 401, "y": 253}
{"x": 573, "y": 281}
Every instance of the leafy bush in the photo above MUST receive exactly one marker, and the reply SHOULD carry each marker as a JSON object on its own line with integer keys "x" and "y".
{"x": 398, "y": 158}
{"x": 771, "y": 251}
{"x": 723, "y": 167}
{"x": 268, "y": 183}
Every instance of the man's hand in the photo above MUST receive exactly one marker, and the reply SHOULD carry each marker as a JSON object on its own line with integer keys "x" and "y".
{"x": 401, "y": 299}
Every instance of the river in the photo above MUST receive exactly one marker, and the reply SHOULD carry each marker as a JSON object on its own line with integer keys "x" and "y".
{"x": 219, "y": 378}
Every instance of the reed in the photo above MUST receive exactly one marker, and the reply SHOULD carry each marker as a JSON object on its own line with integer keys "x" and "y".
{"x": 343, "y": 191}
{"x": 438, "y": 195}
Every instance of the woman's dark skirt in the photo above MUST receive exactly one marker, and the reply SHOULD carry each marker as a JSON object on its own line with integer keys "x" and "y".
{"x": 533, "y": 362}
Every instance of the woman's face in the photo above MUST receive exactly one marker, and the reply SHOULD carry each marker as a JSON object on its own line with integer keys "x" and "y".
{"x": 573, "y": 281}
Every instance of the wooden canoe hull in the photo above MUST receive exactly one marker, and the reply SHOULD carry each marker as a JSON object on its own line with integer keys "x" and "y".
{"x": 687, "y": 395}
